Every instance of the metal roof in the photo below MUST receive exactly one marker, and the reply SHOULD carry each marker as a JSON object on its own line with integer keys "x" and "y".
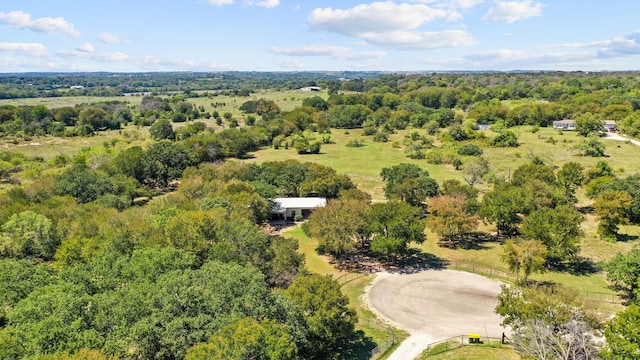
{"x": 298, "y": 203}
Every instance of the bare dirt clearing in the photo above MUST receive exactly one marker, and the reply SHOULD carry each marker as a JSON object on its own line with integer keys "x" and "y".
{"x": 434, "y": 305}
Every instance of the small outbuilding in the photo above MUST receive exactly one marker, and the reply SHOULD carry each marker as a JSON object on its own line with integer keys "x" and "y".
{"x": 290, "y": 208}
{"x": 565, "y": 124}
{"x": 609, "y": 126}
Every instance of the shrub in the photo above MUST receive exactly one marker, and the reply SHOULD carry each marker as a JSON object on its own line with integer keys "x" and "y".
{"x": 470, "y": 150}
{"x": 355, "y": 143}
{"x": 505, "y": 139}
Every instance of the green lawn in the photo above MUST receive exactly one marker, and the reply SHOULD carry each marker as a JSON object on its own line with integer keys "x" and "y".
{"x": 474, "y": 352}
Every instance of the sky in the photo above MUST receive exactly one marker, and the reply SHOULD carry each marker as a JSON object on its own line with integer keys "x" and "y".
{"x": 313, "y": 35}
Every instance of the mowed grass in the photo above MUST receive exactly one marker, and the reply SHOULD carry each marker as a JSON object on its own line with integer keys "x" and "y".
{"x": 474, "y": 352}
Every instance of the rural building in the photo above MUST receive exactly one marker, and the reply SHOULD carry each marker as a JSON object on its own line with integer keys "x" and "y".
{"x": 288, "y": 208}
{"x": 565, "y": 124}
{"x": 310, "y": 88}
{"x": 609, "y": 125}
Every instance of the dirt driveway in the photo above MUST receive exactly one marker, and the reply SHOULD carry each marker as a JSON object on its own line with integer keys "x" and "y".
{"x": 434, "y": 305}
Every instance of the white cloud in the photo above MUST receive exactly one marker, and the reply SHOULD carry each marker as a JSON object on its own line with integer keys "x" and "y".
{"x": 392, "y": 25}
{"x": 109, "y": 38}
{"x": 364, "y": 55}
{"x": 264, "y": 3}
{"x": 377, "y": 17}
{"x": 621, "y": 46}
{"x": 31, "y": 49}
{"x": 87, "y": 52}
{"x": 220, "y": 2}
{"x": 452, "y": 4}
{"x": 269, "y": 4}
{"x": 290, "y": 64}
{"x": 9, "y": 64}
{"x": 311, "y": 50}
{"x": 86, "y": 47}
{"x": 46, "y": 25}
{"x": 512, "y": 11}
{"x": 337, "y": 52}
{"x": 406, "y": 40}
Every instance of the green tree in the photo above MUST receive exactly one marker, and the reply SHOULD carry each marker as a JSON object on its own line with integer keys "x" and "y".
{"x": 247, "y": 339}
{"x": 623, "y": 335}
{"x": 570, "y": 177}
{"x": 612, "y": 208}
{"x": 28, "y": 234}
{"x": 502, "y": 206}
{"x": 588, "y": 124}
{"x": 94, "y": 117}
{"x": 591, "y": 146}
{"x": 130, "y": 162}
{"x": 558, "y": 229}
{"x": 164, "y": 162}
{"x": 524, "y": 257}
{"x": 505, "y": 139}
{"x": 82, "y": 183}
{"x": 162, "y": 129}
{"x": 394, "y": 225}
{"x": 340, "y": 226}
{"x": 326, "y": 313}
{"x": 533, "y": 171}
{"x": 66, "y": 115}
{"x": 449, "y": 217}
{"x": 408, "y": 182}
{"x": 623, "y": 272}
{"x": 474, "y": 170}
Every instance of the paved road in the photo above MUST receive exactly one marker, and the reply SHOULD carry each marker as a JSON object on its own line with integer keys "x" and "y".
{"x": 434, "y": 305}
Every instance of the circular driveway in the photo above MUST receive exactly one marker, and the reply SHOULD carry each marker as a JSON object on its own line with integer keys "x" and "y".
{"x": 437, "y": 303}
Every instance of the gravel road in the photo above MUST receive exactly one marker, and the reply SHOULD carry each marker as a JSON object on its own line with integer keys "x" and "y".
{"x": 434, "y": 305}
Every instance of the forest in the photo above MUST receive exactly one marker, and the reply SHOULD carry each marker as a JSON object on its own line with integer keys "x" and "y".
{"x": 153, "y": 242}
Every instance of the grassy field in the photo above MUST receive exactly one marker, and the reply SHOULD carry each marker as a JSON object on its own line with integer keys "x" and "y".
{"x": 362, "y": 164}
{"x": 57, "y": 102}
{"x": 49, "y": 146}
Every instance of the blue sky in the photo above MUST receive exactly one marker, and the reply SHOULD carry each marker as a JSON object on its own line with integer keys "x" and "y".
{"x": 310, "y": 35}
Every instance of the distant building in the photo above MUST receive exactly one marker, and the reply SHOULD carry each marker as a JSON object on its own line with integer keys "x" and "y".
{"x": 76, "y": 87}
{"x": 484, "y": 126}
{"x": 310, "y": 89}
{"x": 565, "y": 124}
{"x": 288, "y": 208}
{"x": 609, "y": 125}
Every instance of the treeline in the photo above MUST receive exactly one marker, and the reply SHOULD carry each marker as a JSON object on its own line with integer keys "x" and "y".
{"x": 14, "y": 86}
{"x": 457, "y": 103}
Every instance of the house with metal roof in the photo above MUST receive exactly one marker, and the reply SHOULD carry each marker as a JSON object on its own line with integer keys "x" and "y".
{"x": 292, "y": 207}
